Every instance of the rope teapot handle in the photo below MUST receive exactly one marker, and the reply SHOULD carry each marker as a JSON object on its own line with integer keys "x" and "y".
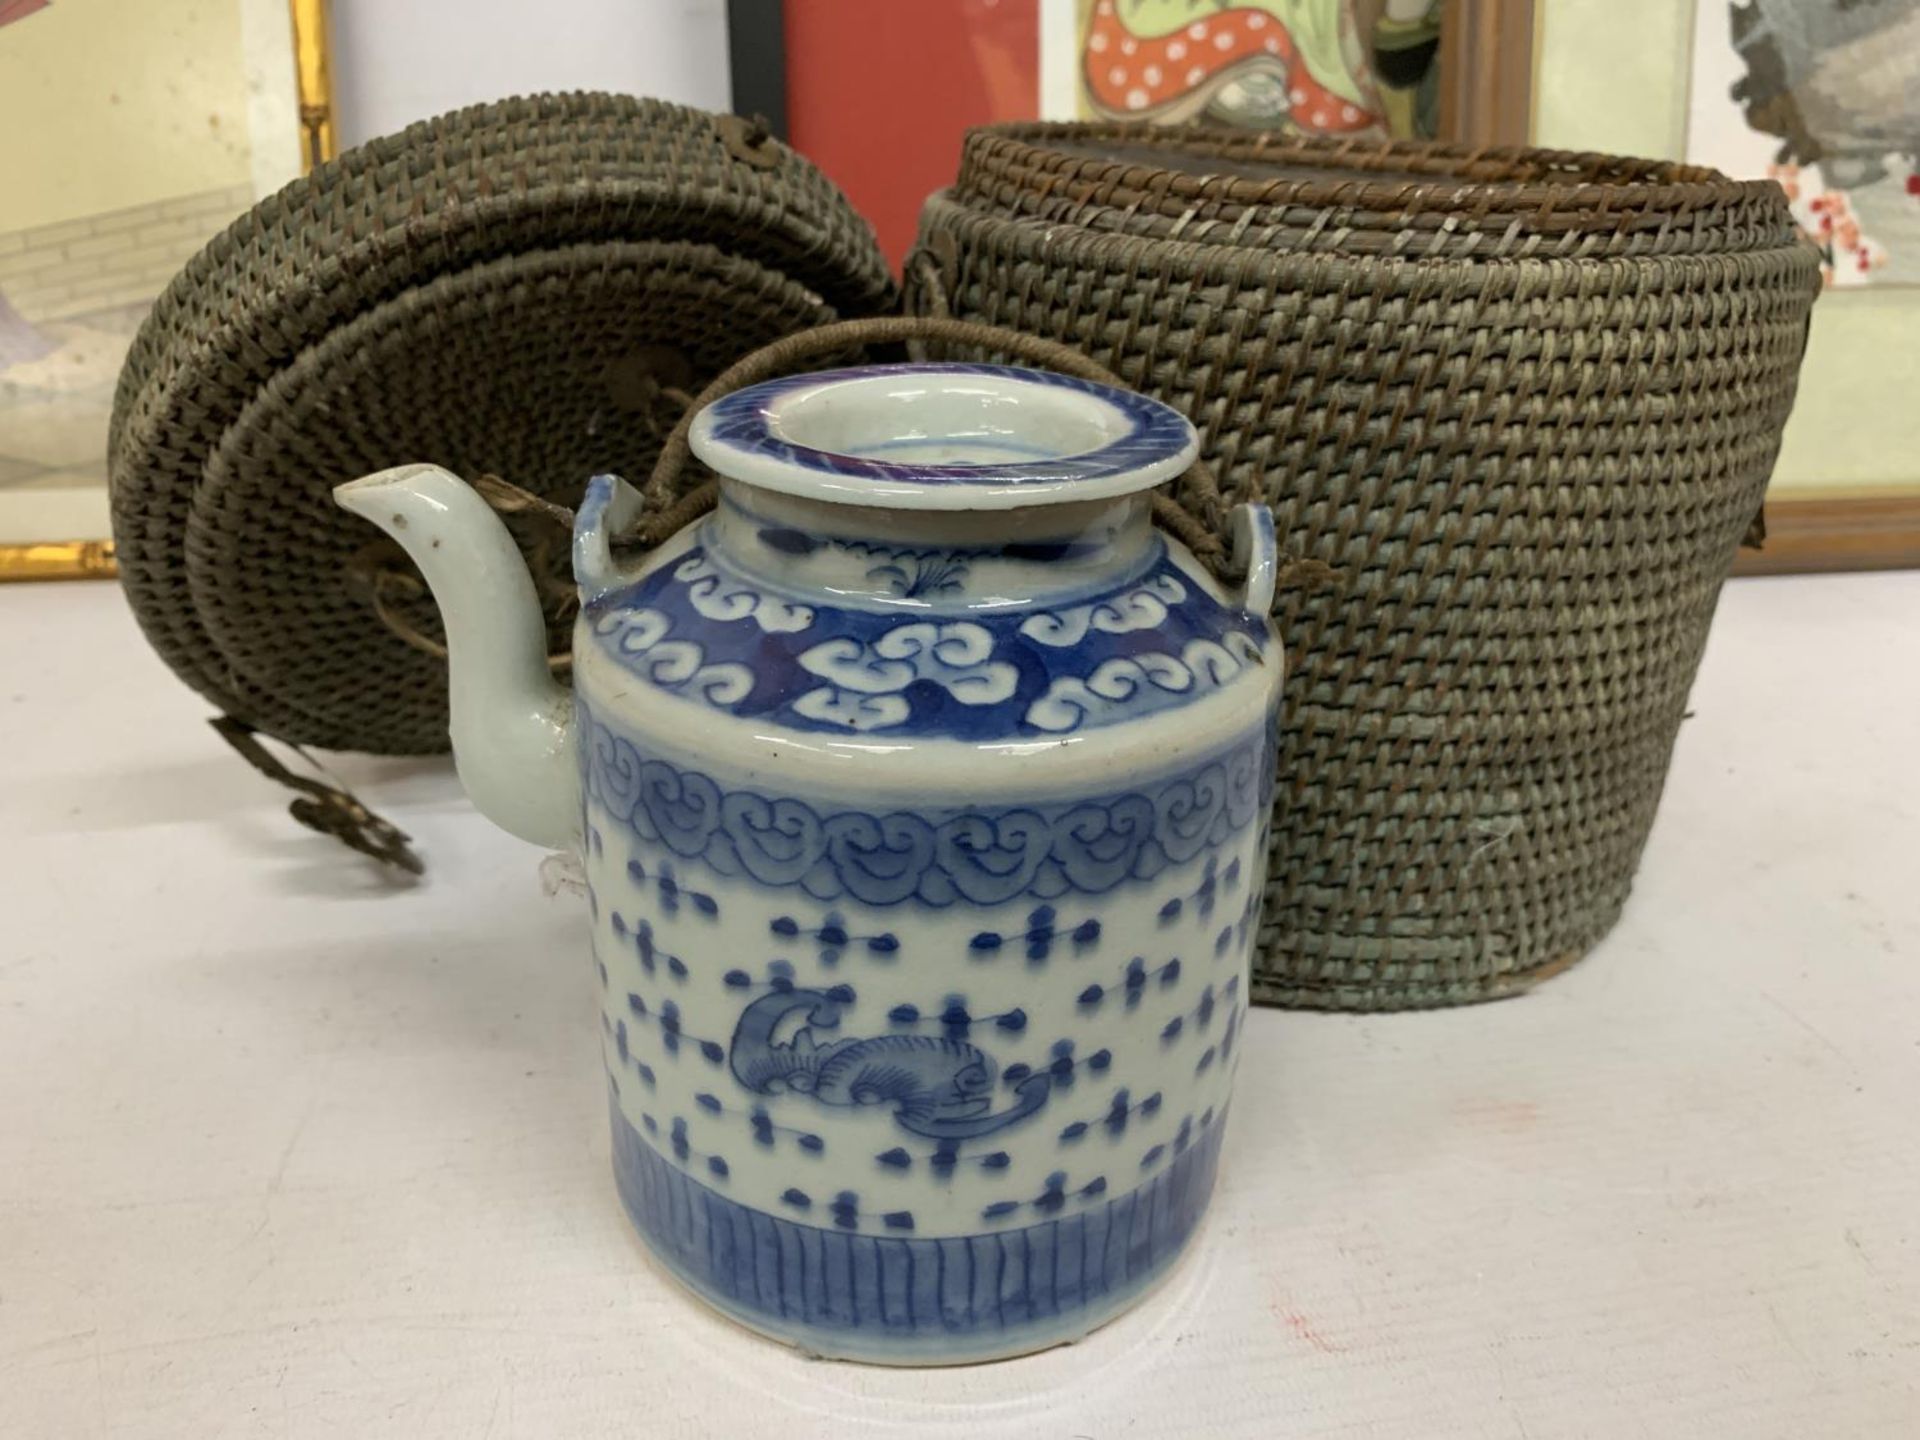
{"x": 671, "y": 506}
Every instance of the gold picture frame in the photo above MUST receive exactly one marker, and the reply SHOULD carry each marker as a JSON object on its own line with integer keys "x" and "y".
{"x": 311, "y": 99}
{"x": 313, "y": 71}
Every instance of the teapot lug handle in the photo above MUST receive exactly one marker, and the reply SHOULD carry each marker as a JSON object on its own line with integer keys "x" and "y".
{"x": 1256, "y": 555}
{"x": 611, "y": 507}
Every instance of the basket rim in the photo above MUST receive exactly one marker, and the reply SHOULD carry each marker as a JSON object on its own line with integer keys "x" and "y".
{"x": 1467, "y": 182}
{"x": 946, "y": 211}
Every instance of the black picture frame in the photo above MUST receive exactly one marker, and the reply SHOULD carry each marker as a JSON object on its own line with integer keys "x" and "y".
{"x": 757, "y": 61}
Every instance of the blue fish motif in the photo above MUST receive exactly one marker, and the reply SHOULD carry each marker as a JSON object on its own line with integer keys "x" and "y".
{"x": 939, "y": 1088}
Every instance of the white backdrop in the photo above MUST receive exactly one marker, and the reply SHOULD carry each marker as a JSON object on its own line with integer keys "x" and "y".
{"x": 397, "y": 61}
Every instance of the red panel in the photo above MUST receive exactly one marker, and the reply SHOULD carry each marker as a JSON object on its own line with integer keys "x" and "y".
{"x": 879, "y": 93}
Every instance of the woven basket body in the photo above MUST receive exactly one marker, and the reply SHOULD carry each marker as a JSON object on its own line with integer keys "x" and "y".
{"x": 530, "y": 289}
{"x": 1514, "y": 413}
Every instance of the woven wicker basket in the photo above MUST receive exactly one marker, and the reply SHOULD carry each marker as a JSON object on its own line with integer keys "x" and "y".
{"x": 1514, "y": 411}
{"x": 531, "y": 289}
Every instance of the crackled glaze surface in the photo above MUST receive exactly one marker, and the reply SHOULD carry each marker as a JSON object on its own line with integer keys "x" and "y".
{"x": 925, "y": 852}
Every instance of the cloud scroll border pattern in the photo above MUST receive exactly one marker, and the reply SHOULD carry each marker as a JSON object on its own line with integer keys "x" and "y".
{"x": 952, "y": 855}
{"x": 1152, "y": 642}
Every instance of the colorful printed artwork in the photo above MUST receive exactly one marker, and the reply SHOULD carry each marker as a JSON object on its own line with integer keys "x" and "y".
{"x": 1406, "y": 64}
{"x": 1823, "y": 96}
{"x": 1330, "y": 67}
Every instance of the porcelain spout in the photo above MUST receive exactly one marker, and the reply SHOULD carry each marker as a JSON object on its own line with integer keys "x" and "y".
{"x": 511, "y": 722}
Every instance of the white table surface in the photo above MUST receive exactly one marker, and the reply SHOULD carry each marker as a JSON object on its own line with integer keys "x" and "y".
{"x": 287, "y": 1149}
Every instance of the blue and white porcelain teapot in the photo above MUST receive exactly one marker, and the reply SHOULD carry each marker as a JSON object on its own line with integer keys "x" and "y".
{"x": 921, "y": 790}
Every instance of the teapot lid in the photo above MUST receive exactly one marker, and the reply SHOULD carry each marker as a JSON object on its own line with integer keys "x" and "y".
{"x": 943, "y": 436}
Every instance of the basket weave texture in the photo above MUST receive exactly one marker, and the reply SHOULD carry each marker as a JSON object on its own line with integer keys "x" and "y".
{"x": 530, "y": 289}
{"x": 1514, "y": 411}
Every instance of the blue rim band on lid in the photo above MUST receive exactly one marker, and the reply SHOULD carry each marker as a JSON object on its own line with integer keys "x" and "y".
{"x": 1144, "y": 443}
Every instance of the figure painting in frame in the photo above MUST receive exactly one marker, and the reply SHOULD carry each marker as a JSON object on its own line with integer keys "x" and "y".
{"x": 1328, "y": 67}
{"x": 1824, "y": 97}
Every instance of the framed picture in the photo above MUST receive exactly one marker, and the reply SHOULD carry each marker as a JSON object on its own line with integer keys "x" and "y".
{"x": 1333, "y": 67}
{"x": 1825, "y": 98}
{"x": 140, "y": 131}
{"x": 825, "y": 77}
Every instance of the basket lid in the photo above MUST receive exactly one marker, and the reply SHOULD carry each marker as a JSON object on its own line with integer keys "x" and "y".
{"x": 531, "y": 289}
